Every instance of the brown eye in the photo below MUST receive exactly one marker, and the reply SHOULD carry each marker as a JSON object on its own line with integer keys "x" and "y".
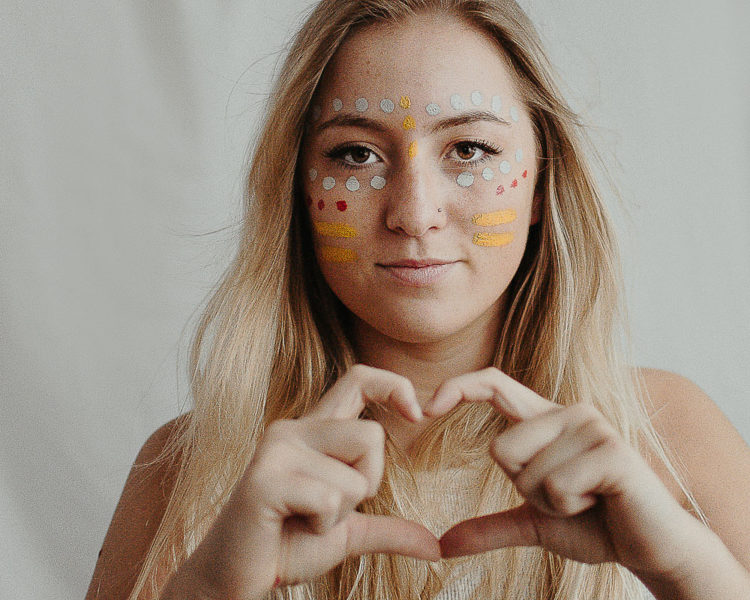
{"x": 360, "y": 154}
{"x": 466, "y": 151}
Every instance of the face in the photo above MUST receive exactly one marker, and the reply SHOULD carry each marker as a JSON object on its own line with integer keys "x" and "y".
{"x": 419, "y": 169}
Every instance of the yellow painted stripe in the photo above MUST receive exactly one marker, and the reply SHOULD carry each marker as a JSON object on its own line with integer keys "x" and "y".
{"x": 337, "y": 255}
{"x": 339, "y": 230}
{"x": 494, "y": 218}
{"x": 413, "y": 148}
{"x": 493, "y": 239}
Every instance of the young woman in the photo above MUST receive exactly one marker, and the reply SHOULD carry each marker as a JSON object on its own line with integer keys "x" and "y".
{"x": 414, "y": 356}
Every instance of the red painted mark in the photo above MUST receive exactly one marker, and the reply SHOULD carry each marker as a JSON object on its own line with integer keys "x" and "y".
{"x": 321, "y": 205}
{"x": 276, "y": 581}
{"x": 309, "y": 200}
{"x": 515, "y": 183}
{"x": 500, "y": 190}
{"x": 341, "y": 205}
{"x": 525, "y": 173}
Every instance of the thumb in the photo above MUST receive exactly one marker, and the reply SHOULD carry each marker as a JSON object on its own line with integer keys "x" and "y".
{"x": 371, "y": 534}
{"x": 514, "y": 527}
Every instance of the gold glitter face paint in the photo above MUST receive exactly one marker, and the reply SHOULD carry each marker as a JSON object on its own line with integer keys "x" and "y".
{"x": 492, "y": 240}
{"x": 404, "y": 102}
{"x": 337, "y": 230}
{"x": 337, "y": 255}
{"x": 499, "y": 217}
{"x": 409, "y": 122}
{"x": 413, "y": 149}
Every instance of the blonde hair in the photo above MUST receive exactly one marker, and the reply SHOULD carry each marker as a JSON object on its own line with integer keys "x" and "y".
{"x": 273, "y": 337}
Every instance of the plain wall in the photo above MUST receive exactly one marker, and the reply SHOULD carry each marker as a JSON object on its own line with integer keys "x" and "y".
{"x": 123, "y": 135}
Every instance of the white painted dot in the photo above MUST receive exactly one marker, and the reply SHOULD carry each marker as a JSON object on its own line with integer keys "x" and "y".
{"x": 387, "y": 105}
{"x": 315, "y": 112}
{"x": 465, "y": 179}
{"x": 328, "y": 183}
{"x": 505, "y": 167}
{"x": 352, "y": 184}
{"x": 377, "y": 182}
{"x": 337, "y": 104}
{"x": 497, "y": 103}
{"x": 457, "y": 102}
{"x": 514, "y": 113}
{"x": 432, "y": 109}
{"x": 488, "y": 173}
{"x": 519, "y": 155}
{"x": 361, "y": 104}
{"x": 476, "y": 98}
{"x": 313, "y": 174}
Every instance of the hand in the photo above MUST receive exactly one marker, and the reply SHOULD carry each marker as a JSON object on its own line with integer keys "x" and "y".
{"x": 292, "y": 516}
{"x": 588, "y": 495}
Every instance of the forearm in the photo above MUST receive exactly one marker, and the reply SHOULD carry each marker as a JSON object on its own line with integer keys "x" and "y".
{"x": 709, "y": 572}
{"x": 190, "y": 583}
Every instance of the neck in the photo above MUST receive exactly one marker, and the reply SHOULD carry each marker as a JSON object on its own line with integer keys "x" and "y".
{"x": 426, "y": 364}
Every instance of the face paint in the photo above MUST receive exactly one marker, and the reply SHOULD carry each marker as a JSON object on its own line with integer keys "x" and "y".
{"x": 524, "y": 174}
{"x": 499, "y": 217}
{"x": 313, "y": 173}
{"x": 457, "y": 102}
{"x": 505, "y": 167}
{"x": 337, "y": 230}
{"x": 352, "y": 184}
{"x": 405, "y": 102}
{"x": 321, "y": 205}
{"x": 377, "y": 182}
{"x": 341, "y": 205}
{"x": 337, "y": 255}
{"x": 465, "y": 179}
{"x": 488, "y": 174}
{"x": 496, "y": 103}
{"x": 361, "y": 104}
{"x": 387, "y": 105}
{"x": 514, "y": 184}
{"x": 413, "y": 149}
{"x": 476, "y": 98}
{"x": 500, "y": 190}
{"x": 514, "y": 114}
{"x": 519, "y": 155}
{"x": 328, "y": 183}
{"x": 409, "y": 122}
{"x": 337, "y": 104}
{"x": 432, "y": 109}
{"x": 492, "y": 240}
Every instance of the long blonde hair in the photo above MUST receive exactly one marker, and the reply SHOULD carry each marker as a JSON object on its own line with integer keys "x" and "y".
{"x": 273, "y": 337}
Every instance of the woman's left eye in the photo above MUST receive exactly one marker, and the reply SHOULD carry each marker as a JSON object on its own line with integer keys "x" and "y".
{"x": 353, "y": 155}
{"x": 473, "y": 151}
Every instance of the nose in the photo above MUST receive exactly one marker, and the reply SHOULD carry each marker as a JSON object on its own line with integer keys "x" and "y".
{"x": 415, "y": 203}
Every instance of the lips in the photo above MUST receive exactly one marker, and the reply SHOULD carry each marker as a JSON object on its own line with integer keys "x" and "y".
{"x": 418, "y": 272}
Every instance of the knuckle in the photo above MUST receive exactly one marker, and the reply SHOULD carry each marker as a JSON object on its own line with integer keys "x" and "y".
{"x": 373, "y": 433}
{"x": 359, "y": 371}
{"x": 583, "y": 412}
{"x": 557, "y": 494}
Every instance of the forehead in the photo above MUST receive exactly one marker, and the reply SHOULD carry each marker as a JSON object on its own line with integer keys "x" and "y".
{"x": 426, "y": 55}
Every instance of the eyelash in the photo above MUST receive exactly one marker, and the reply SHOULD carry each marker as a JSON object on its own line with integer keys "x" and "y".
{"x": 490, "y": 151}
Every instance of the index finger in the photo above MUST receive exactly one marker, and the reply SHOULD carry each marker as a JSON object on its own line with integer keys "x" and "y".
{"x": 362, "y": 384}
{"x": 510, "y": 397}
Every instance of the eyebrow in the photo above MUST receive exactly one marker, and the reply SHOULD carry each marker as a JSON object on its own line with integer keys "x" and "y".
{"x": 349, "y": 120}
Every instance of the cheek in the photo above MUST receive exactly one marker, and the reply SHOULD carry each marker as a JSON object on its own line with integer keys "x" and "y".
{"x": 336, "y": 203}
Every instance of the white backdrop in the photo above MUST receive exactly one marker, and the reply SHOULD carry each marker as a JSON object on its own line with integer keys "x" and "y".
{"x": 123, "y": 132}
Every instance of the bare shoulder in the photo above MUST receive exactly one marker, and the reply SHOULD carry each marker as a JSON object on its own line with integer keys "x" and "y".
{"x": 137, "y": 516}
{"x": 708, "y": 450}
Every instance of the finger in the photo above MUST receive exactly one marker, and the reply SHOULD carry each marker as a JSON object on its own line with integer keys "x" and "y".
{"x": 514, "y": 527}
{"x": 514, "y": 448}
{"x": 511, "y": 398}
{"x": 370, "y": 534}
{"x": 363, "y": 384}
{"x": 357, "y": 443}
{"x": 313, "y": 502}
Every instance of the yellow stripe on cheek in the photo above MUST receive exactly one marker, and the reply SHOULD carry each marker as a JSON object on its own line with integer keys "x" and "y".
{"x": 499, "y": 217}
{"x": 413, "y": 149}
{"x": 493, "y": 239}
{"x": 337, "y": 255}
{"x": 339, "y": 230}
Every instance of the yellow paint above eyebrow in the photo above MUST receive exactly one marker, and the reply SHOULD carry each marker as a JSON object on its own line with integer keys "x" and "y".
{"x": 413, "y": 148}
{"x": 339, "y": 230}
{"x": 493, "y": 239}
{"x": 405, "y": 102}
{"x": 409, "y": 122}
{"x": 337, "y": 255}
{"x": 494, "y": 218}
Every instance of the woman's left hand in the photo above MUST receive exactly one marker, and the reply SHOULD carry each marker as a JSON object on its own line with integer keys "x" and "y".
{"x": 589, "y": 495}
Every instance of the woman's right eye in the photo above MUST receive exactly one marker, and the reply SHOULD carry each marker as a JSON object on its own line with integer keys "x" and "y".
{"x": 353, "y": 155}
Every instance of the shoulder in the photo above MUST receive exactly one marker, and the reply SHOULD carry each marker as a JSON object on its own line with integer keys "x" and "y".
{"x": 137, "y": 515}
{"x": 706, "y": 448}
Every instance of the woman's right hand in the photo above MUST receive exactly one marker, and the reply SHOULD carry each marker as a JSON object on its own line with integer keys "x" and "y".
{"x": 292, "y": 516}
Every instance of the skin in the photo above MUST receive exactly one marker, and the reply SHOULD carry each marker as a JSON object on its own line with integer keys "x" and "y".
{"x": 427, "y": 348}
